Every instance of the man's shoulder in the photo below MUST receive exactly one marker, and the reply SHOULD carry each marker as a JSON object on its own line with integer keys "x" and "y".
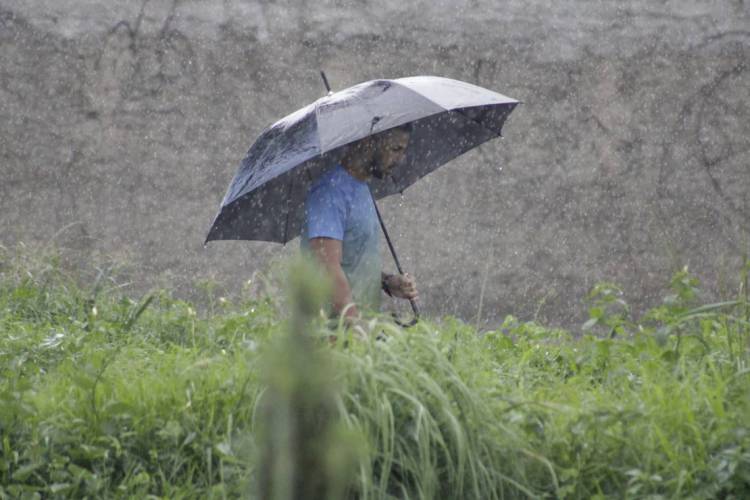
{"x": 335, "y": 180}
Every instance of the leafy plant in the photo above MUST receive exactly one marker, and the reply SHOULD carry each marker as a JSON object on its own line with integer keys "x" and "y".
{"x": 104, "y": 395}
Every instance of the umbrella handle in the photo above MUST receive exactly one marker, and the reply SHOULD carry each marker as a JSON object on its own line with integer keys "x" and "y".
{"x": 398, "y": 266}
{"x": 414, "y": 320}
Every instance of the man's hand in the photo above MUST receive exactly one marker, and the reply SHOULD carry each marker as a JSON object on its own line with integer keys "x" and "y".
{"x": 403, "y": 286}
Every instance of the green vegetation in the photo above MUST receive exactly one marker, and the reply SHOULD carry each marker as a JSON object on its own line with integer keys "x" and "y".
{"x": 106, "y": 396}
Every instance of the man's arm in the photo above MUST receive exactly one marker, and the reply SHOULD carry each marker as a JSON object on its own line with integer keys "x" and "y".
{"x": 328, "y": 251}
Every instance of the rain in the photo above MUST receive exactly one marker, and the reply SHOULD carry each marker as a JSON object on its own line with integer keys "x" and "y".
{"x": 626, "y": 160}
{"x": 125, "y": 126}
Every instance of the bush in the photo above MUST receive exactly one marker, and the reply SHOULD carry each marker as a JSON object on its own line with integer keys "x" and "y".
{"x": 104, "y": 395}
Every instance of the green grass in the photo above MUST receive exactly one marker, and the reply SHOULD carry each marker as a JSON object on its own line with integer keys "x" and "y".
{"x": 108, "y": 396}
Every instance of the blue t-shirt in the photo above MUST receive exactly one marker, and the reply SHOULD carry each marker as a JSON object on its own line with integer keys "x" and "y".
{"x": 340, "y": 207}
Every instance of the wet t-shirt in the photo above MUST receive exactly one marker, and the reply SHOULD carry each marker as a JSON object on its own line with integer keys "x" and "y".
{"x": 340, "y": 207}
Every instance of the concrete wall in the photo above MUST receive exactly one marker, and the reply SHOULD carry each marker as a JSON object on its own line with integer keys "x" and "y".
{"x": 122, "y": 123}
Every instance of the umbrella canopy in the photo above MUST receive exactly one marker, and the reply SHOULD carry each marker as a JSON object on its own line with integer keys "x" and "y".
{"x": 265, "y": 200}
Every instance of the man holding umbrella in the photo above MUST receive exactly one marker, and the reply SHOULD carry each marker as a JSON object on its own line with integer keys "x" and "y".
{"x": 388, "y": 134}
{"x": 341, "y": 226}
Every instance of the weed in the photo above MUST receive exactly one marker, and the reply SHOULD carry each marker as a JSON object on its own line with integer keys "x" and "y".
{"x": 103, "y": 395}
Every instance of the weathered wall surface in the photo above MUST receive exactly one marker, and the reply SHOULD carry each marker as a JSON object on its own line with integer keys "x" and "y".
{"x": 122, "y": 123}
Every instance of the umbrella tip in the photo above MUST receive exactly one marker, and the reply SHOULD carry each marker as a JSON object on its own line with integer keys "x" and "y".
{"x": 325, "y": 82}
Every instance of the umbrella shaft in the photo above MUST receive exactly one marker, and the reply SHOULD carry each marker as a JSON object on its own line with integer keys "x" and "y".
{"x": 414, "y": 306}
{"x": 387, "y": 238}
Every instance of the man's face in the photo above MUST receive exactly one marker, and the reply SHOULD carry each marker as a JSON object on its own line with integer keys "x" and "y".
{"x": 389, "y": 150}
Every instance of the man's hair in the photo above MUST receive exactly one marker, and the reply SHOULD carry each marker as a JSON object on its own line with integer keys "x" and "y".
{"x": 407, "y": 127}
{"x": 404, "y": 128}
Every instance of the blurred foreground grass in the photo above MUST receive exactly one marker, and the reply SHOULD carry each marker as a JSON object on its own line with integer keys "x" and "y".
{"x": 104, "y": 395}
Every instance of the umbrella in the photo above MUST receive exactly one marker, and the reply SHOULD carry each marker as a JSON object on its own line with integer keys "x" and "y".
{"x": 265, "y": 200}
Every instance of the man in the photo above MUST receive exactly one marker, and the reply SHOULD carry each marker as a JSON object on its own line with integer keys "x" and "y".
{"x": 341, "y": 227}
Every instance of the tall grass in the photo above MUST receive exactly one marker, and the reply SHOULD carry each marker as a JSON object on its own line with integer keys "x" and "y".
{"x": 105, "y": 395}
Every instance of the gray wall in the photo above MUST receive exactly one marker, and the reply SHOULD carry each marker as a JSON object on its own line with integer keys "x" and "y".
{"x": 122, "y": 123}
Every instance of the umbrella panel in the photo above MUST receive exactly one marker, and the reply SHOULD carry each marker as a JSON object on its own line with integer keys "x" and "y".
{"x": 275, "y": 210}
{"x": 286, "y": 144}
